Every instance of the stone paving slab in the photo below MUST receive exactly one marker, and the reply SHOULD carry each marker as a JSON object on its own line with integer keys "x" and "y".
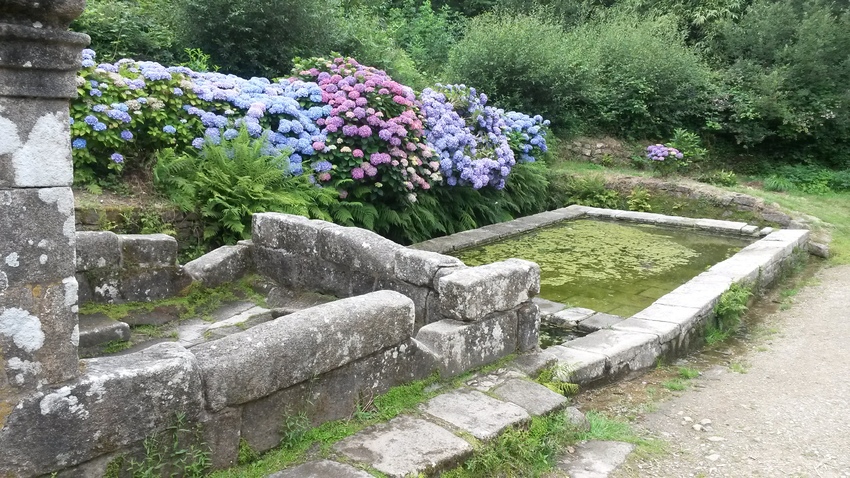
{"x": 482, "y": 416}
{"x": 533, "y": 397}
{"x": 584, "y": 366}
{"x": 321, "y": 469}
{"x": 666, "y": 331}
{"x": 670, "y": 313}
{"x": 570, "y": 317}
{"x": 405, "y": 445}
{"x": 548, "y": 307}
{"x": 623, "y": 349}
{"x": 595, "y": 459}
{"x": 599, "y": 321}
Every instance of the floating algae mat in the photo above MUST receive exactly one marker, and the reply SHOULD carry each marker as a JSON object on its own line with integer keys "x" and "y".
{"x": 610, "y": 267}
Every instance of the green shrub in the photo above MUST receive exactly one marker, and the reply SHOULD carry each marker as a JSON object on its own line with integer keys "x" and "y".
{"x": 778, "y": 183}
{"x": 719, "y": 177}
{"x": 731, "y": 306}
{"x": 426, "y": 34}
{"x": 520, "y": 61}
{"x": 364, "y": 35}
{"x": 786, "y": 76}
{"x": 257, "y": 37}
{"x": 129, "y": 29}
{"x": 638, "y": 200}
{"x": 228, "y": 183}
{"x": 643, "y": 81}
{"x": 586, "y": 189}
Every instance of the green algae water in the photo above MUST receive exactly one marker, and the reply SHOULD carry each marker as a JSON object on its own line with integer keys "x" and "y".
{"x": 610, "y": 267}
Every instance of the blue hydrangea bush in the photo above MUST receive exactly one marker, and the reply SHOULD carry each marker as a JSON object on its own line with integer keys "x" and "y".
{"x": 478, "y": 145}
{"x": 128, "y": 110}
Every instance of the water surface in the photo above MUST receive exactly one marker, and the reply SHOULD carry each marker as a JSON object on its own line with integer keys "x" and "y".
{"x": 610, "y": 267}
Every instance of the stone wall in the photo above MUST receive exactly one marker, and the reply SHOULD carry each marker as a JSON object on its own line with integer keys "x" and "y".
{"x": 187, "y": 227}
{"x": 818, "y": 245}
{"x": 304, "y": 254}
{"x": 117, "y": 268}
{"x": 600, "y": 150}
{"x": 320, "y": 361}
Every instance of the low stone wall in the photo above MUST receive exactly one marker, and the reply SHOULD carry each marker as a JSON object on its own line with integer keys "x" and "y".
{"x": 117, "y": 268}
{"x": 321, "y": 361}
{"x": 188, "y": 228}
{"x": 313, "y": 255}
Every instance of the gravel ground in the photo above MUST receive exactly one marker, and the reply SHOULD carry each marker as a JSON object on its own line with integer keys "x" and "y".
{"x": 786, "y": 415}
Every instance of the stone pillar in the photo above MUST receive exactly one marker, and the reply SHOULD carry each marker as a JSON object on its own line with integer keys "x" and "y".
{"x": 39, "y": 59}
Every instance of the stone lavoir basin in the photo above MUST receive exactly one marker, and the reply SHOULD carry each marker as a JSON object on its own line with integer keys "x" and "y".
{"x": 609, "y": 267}
{"x": 611, "y": 277}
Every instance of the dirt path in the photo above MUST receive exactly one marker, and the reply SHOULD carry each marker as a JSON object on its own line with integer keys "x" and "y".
{"x": 787, "y": 415}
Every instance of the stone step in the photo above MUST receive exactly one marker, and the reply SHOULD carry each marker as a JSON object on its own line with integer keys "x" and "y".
{"x": 432, "y": 442}
{"x": 405, "y": 446}
{"x": 98, "y": 329}
{"x": 321, "y": 469}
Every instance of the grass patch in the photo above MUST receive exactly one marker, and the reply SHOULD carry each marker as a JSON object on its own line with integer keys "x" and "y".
{"x": 301, "y": 442}
{"x": 194, "y": 301}
{"x": 688, "y": 373}
{"x": 833, "y": 208}
{"x": 522, "y": 451}
{"x": 675, "y": 385}
{"x": 737, "y": 367}
{"x": 115, "y": 346}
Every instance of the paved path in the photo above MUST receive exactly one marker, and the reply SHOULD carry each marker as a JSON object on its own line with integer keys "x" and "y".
{"x": 787, "y": 416}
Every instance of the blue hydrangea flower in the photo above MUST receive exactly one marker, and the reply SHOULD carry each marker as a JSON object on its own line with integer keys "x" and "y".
{"x": 126, "y": 135}
{"x": 99, "y": 126}
{"x": 169, "y": 129}
{"x": 91, "y": 120}
{"x": 117, "y": 158}
{"x": 79, "y": 143}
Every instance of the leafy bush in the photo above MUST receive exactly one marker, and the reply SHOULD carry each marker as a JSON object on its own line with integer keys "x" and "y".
{"x": 665, "y": 159}
{"x": 730, "y": 306}
{"x": 257, "y": 37}
{"x": 643, "y": 81}
{"x": 425, "y": 33}
{"x": 778, "y": 183}
{"x": 720, "y": 177}
{"x": 638, "y": 200}
{"x": 786, "y": 75}
{"x": 586, "y": 190}
{"x": 228, "y": 182}
{"x": 521, "y": 62}
{"x": 365, "y": 35}
{"x": 129, "y": 29}
{"x": 808, "y": 178}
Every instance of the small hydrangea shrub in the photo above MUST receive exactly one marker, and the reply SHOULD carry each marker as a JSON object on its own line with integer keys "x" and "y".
{"x": 665, "y": 159}
{"x": 374, "y": 130}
